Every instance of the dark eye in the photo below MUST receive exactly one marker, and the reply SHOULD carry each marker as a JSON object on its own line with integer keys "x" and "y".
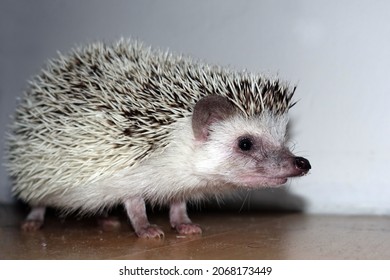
{"x": 245, "y": 144}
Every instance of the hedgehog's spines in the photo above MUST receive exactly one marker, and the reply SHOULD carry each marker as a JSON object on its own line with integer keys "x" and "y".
{"x": 101, "y": 108}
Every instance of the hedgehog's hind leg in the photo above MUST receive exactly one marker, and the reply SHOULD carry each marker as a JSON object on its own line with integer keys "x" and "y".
{"x": 136, "y": 211}
{"x": 180, "y": 220}
{"x": 34, "y": 220}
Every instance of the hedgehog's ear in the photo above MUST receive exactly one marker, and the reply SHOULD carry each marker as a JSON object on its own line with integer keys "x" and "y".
{"x": 208, "y": 110}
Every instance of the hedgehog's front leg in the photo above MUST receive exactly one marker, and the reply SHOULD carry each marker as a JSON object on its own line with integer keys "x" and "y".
{"x": 180, "y": 221}
{"x": 136, "y": 211}
{"x": 34, "y": 220}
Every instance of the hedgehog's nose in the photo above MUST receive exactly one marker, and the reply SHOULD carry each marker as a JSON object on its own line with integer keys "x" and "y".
{"x": 302, "y": 163}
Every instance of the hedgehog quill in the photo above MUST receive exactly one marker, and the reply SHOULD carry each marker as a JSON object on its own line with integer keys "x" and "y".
{"x": 124, "y": 124}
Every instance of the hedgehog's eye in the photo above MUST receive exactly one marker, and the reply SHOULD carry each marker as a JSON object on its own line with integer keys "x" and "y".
{"x": 245, "y": 144}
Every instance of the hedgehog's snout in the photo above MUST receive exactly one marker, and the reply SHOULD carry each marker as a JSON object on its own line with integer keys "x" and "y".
{"x": 302, "y": 164}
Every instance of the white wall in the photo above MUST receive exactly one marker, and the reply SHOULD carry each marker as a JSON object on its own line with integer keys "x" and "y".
{"x": 338, "y": 52}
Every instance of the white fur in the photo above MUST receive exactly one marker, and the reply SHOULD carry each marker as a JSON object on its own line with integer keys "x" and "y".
{"x": 217, "y": 158}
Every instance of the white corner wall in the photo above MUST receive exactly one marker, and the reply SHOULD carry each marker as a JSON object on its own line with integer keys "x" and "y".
{"x": 337, "y": 52}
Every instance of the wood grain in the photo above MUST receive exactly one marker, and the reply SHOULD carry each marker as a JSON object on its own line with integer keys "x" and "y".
{"x": 227, "y": 235}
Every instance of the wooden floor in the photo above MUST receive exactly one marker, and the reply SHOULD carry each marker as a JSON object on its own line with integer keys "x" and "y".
{"x": 227, "y": 235}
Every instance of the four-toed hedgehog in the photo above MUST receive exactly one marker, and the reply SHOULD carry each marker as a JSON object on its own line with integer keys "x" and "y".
{"x": 125, "y": 124}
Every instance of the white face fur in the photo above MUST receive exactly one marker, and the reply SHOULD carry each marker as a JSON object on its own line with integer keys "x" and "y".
{"x": 247, "y": 152}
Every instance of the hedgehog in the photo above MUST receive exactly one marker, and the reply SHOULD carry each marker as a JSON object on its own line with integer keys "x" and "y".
{"x": 124, "y": 124}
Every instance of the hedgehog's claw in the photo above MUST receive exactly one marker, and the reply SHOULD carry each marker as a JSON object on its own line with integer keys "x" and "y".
{"x": 151, "y": 231}
{"x": 34, "y": 220}
{"x": 188, "y": 229}
{"x": 31, "y": 225}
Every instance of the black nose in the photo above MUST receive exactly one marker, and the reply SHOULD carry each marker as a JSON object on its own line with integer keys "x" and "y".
{"x": 302, "y": 163}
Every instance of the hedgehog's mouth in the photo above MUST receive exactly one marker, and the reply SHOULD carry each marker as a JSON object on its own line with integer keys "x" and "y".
{"x": 254, "y": 181}
{"x": 274, "y": 182}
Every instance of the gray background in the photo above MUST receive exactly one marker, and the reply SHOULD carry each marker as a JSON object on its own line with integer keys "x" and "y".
{"x": 337, "y": 52}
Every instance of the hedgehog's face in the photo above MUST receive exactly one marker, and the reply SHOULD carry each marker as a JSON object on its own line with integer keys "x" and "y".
{"x": 248, "y": 151}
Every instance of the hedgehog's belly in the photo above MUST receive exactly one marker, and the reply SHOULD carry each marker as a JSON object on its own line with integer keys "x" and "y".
{"x": 157, "y": 185}
{"x": 76, "y": 179}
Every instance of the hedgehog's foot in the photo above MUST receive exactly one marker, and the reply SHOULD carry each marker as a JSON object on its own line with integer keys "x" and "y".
{"x": 136, "y": 211}
{"x": 180, "y": 221}
{"x": 34, "y": 220}
{"x": 151, "y": 231}
{"x": 187, "y": 229}
{"x": 31, "y": 225}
